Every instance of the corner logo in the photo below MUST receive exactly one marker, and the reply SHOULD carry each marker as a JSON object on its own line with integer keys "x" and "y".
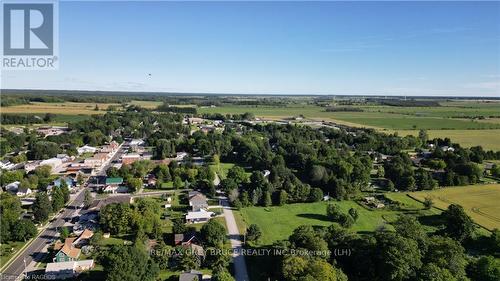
{"x": 29, "y": 35}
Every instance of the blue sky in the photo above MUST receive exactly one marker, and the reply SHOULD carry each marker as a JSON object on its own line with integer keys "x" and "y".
{"x": 387, "y": 48}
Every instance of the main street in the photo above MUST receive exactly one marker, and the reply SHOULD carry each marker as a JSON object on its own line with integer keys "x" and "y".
{"x": 16, "y": 269}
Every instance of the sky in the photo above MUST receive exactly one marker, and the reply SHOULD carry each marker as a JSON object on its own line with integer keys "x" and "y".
{"x": 336, "y": 48}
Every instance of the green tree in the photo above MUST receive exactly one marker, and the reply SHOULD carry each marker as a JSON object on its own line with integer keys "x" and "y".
{"x": 267, "y": 201}
{"x": 432, "y": 272}
{"x": 486, "y": 268}
{"x": 428, "y": 203}
{"x": 24, "y": 230}
{"x": 213, "y": 233}
{"x": 178, "y": 184}
{"x": 134, "y": 184}
{"x": 129, "y": 263}
{"x": 253, "y": 232}
{"x": 57, "y": 199}
{"x": 41, "y": 207}
{"x": 87, "y": 198}
{"x": 354, "y": 213}
{"x": 221, "y": 274}
{"x": 398, "y": 257}
{"x": 459, "y": 225}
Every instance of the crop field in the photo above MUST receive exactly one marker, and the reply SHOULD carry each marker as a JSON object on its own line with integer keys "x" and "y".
{"x": 65, "y": 108}
{"x": 479, "y": 201}
{"x": 488, "y": 139}
{"x": 278, "y": 222}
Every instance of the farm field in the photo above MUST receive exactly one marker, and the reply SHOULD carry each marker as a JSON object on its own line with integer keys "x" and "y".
{"x": 278, "y": 222}
{"x": 65, "y": 108}
{"x": 479, "y": 201}
{"x": 488, "y": 139}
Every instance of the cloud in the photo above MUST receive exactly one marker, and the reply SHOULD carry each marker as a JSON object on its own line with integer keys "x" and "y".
{"x": 490, "y": 85}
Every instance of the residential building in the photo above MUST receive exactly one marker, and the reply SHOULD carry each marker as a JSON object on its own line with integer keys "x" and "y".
{"x": 86, "y": 149}
{"x": 130, "y": 158}
{"x": 197, "y": 201}
{"x": 54, "y": 163}
{"x": 23, "y": 191}
{"x": 66, "y": 251}
{"x": 199, "y": 216}
{"x": 69, "y": 269}
{"x": 192, "y": 275}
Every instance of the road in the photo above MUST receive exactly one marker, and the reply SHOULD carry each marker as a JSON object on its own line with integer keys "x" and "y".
{"x": 240, "y": 266}
{"x": 17, "y": 267}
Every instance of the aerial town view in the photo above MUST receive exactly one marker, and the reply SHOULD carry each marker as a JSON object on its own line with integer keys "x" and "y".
{"x": 250, "y": 141}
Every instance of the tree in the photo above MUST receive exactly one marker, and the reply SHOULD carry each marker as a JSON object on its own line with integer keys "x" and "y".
{"x": 428, "y": 203}
{"x": 486, "y": 268}
{"x": 63, "y": 233}
{"x": 409, "y": 227}
{"x": 41, "y": 207}
{"x": 423, "y": 136}
{"x": 134, "y": 184}
{"x": 43, "y": 150}
{"x": 354, "y": 213}
{"x": 316, "y": 195}
{"x": 129, "y": 263}
{"x": 459, "y": 225}
{"x": 221, "y": 274}
{"x": 57, "y": 199}
{"x": 253, "y": 232}
{"x": 334, "y": 212}
{"x": 238, "y": 174}
{"x": 178, "y": 184}
{"x": 87, "y": 198}
{"x": 283, "y": 197}
{"x": 116, "y": 218}
{"x": 297, "y": 268}
{"x": 178, "y": 226}
{"x": 24, "y": 230}
{"x": 447, "y": 253}
{"x": 399, "y": 257}
{"x": 267, "y": 199}
{"x": 432, "y": 272}
{"x": 213, "y": 233}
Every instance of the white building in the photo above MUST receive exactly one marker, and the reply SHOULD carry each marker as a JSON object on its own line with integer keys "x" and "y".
{"x": 12, "y": 187}
{"x": 86, "y": 149}
{"x": 54, "y": 163}
{"x": 199, "y": 216}
{"x": 68, "y": 269}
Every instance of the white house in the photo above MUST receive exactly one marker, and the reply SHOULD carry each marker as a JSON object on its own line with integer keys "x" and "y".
{"x": 54, "y": 163}
{"x": 199, "y": 216}
{"x": 86, "y": 149}
{"x": 23, "y": 191}
{"x": 68, "y": 269}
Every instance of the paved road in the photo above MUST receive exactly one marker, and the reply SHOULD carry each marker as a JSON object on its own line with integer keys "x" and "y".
{"x": 17, "y": 267}
{"x": 240, "y": 266}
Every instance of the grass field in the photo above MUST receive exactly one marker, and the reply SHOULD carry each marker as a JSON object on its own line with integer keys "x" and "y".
{"x": 488, "y": 139}
{"x": 481, "y": 202}
{"x": 65, "y": 108}
{"x": 278, "y": 222}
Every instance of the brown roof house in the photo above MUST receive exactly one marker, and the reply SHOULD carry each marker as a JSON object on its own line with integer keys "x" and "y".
{"x": 197, "y": 201}
{"x": 66, "y": 251}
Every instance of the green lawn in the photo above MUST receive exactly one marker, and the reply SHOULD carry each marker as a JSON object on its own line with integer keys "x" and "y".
{"x": 222, "y": 169}
{"x": 278, "y": 222}
{"x": 7, "y": 250}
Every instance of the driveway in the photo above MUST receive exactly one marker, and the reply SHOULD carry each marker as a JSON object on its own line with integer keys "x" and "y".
{"x": 240, "y": 266}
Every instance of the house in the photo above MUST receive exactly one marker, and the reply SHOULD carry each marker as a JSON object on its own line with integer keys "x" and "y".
{"x": 136, "y": 143}
{"x": 69, "y": 269}
{"x": 66, "y": 251}
{"x": 197, "y": 201}
{"x": 102, "y": 156}
{"x": 96, "y": 205}
{"x": 31, "y": 165}
{"x": 23, "y": 191}
{"x": 191, "y": 275}
{"x": 93, "y": 162}
{"x": 130, "y": 158}
{"x": 199, "y": 216}
{"x": 86, "y": 149}
{"x": 114, "y": 181}
{"x": 195, "y": 120}
{"x": 84, "y": 237}
{"x": 7, "y": 165}
{"x": 54, "y": 163}
{"x": 195, "y": 249}
{"x": 70, "y": 182}
{"x": 110, "y": 148}
{"x": 12, "y": 187}
{"x": 151, "y": 180}
{"x": 51, "y": 130}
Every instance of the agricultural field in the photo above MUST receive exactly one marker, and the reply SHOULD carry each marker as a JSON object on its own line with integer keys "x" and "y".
{"x": 65, "y": 108}
{"x": 479, "y": 201}
{"x": 488, "y": 139}
{"x": 278, "y": 222}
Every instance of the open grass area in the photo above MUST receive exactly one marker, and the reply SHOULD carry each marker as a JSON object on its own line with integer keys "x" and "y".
{"x": 146, "y": 104}
{"x": 7, "y": 250}
{"x": 481, "y": 202}
{"x": 65, "y": 108}
{"x": 222, "y": 169}
{"x": 488, "y": 139}
{"x": 277, "y": 223}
